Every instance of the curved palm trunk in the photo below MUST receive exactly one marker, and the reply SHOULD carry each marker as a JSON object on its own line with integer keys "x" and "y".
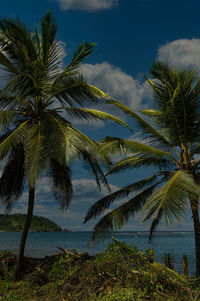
{"x": 195, "y": 216}
{"x": 25, "y": 231}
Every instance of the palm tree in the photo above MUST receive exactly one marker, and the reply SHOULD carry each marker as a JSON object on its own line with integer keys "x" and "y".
{"x": 171, "y": 133}
{"x": 37, "y": 138}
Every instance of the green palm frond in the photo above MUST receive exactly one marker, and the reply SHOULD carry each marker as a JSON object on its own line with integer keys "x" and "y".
{"x": 106, "y": 201}
{"x": 117, "y": 217}
{"x": 140, "y": 162}
{"x": 61, "y": 183}
{"x": 13, "y": 103}
{"x": 36, "y": 156}
{"x": 73, "y": 144}
{"x": 18, "y": 43}
{"x": 12, "y": 178}
{"x": 155, "y": 222}
{"x": 4, "y": 61}
{"x": 91, "y": 159}
{"x": 72, "y": 89}
{"x": 7, "y": 118}
{"x": 12, "y": 138}
{"x": 48, "y": 31}
{"x": 172, "y": 197}
{"x": 154, "y": 116}
{"x": 21, "y": 85}
{"x": 153, "y": 135}
{"x": 87, "y": 114}
{"x": 60, "y": 132}
{"x": 80, "y": 54}
{"x": 54, "y": 64}
{"x": 99, "y": 93}
{"x": 177, "y": 95}
{"x": 83, "y": 139}
{"x": 69, "y": 139}
{"x": 118, "y": 146}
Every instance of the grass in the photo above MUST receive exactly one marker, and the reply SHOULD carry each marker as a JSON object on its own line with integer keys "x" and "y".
{"x": 121, "y": 273}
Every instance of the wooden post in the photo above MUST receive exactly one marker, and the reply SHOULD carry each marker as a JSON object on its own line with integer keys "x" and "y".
{"x": 185, "y": 265}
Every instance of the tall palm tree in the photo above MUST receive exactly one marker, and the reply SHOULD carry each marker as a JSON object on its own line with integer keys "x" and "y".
{"x": 171, "y": 131}
{"x": 37, "y": 138}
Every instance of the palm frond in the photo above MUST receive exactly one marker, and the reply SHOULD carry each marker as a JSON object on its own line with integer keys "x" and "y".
{"x": 12, "y": 138}
{"x": 48, "y": 30}
{"x": 177, "y": 95}
{"x": 4, "y": 61}
{"x": 117, "y": 217}
{"x": 106, "y": 201}
{"x": 71, "y": 141}
{"x": 140, "y": 162}
{"x": 80, "y": 54}
{"x": 36, "y": 156}
{"x": 99, "y": 93}
{"x": 91, "y": 159}
{"x": 21, "y": 86}
{"x": 60, "y": 132}
{"x": 18, "y": 44}
{"x": 87, "y": 114}
{"x": 6, "y": 118}
{"x": 53, "y": 65}
{"x": 12, "y": 178}
{"x": 172, "y": 197}
{"x": 153, "y": 135}
{"x": 155, "y": 222}
{"x": 61, "y": 183}
{"x": 118, "y": 146}
{"x": 72, "y": 89}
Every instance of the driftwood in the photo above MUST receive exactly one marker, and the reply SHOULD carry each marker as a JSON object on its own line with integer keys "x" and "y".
{"x": 76, "y": 254}
{"x": 65, "y": 251}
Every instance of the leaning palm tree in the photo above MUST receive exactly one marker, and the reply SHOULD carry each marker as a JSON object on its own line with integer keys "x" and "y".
{"x": 36, "y": 106}
{"x": 171, "y": 133}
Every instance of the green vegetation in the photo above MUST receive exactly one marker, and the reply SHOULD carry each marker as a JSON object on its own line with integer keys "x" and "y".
{"x": 15, "y": 223}
{"x": 121, "y": 273}
{"x": 170, "y": 134}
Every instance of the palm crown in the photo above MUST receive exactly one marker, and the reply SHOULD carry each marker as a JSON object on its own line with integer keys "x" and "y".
{"x": 172, "y": 149}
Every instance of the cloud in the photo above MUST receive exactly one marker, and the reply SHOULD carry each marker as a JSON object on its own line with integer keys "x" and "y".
{"x": 86, "y": 190}
{"x": 184, "y": 53}
{"x": 87, "y": 5}
{"x": 116, "y": 83}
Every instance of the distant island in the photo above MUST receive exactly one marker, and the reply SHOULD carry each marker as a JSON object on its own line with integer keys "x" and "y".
{"x": 15, "y": 223}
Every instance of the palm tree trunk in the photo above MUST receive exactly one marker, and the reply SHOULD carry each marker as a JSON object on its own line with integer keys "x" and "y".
{"x": 195, "y": 216}
{"x": 29, "y": 215}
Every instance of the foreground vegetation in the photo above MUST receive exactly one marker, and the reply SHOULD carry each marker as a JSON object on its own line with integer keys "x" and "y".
{"x": 120, "y": 273}
{"x": 15, "y": 223}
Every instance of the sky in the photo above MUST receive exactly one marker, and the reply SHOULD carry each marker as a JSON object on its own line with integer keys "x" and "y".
{"x": 130, "y": 36}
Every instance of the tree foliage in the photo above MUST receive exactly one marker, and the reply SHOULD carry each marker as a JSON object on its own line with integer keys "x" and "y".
{"x": 171, "y": 130}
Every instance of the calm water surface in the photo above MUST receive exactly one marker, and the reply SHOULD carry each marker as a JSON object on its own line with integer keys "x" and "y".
{"x": 40, "y": 244}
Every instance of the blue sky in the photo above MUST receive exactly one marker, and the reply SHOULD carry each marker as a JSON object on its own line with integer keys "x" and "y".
{"x": 130, "y": 35}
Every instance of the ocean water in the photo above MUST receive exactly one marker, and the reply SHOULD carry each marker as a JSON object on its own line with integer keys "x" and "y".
{"x": 40, "y": 244}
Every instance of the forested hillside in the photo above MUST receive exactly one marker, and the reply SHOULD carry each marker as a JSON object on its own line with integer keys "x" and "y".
{"x": 15, "y": 223}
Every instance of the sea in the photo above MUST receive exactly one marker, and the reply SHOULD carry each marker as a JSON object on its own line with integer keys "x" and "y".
{"x": 40, "y": 244}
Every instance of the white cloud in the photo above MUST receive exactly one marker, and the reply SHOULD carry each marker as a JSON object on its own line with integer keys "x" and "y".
{"x": 116, "y": 83}
{"x": 184, "y": 53}
{"x": 88, "y": 5}
{"x": 87, "y": 188}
